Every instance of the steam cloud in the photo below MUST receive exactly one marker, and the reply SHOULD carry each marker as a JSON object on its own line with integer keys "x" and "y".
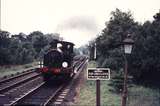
{"x": 85, "y": 23}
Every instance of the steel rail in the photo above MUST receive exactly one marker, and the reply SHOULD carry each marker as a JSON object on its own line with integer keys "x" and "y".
{"x": 25, "y": 72}
{"x": 53, "y": 95}
{"x": 17, "y": 83}
{"x": 25, "y": 95}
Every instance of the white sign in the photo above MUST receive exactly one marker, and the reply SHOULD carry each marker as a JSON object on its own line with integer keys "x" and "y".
{"x": 98, "y": 74}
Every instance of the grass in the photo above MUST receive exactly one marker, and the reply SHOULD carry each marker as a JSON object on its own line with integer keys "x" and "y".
{"x": 87, "y": 96}
{"x": 143, "y": 96}
{"x": 137, "y": 95}
{"x": 9, "y": 70}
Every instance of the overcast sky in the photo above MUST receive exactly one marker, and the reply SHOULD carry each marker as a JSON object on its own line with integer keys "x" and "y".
{"x": 76, "y": 20}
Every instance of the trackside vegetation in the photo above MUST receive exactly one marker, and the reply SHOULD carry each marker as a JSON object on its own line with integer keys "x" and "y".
{"x": 13, "y": 69}
{"x": 138, "y": 95}
{"x": 144, "y": 61}
{"x": 18, "y": 49}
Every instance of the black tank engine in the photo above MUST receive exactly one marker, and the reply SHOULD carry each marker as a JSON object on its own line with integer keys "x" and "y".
{"x": 58, "y": 61}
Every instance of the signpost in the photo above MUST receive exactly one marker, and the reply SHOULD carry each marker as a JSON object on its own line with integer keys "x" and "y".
{"x": 98, "y": 74}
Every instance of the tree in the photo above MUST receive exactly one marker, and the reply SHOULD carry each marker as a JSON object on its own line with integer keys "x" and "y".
{"x": 21, "y": 36}
{"x": 146, "y": 64}
{"x": 14, "y": 47}
{"x": 22, "y": 49}
{"x": 4, "y": 44}
{"x": 38, "y": 40}
{"x": 109, "y": 42}
{"x": 4, "y": 39}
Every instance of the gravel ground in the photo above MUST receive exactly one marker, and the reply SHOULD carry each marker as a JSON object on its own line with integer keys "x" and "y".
{"x": 73, "y": 94}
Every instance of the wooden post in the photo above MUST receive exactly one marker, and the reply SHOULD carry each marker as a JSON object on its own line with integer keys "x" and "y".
{"x": 125, "y": 91}
{"x": 98, "y": 100}
{"x": 0, "y": 14}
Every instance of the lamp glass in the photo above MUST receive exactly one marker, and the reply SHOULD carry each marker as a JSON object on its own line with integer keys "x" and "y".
{"x": 127, "y": 48}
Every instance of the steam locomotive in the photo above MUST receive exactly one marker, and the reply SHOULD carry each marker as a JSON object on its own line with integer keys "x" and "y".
{"x": 58, "y": 61}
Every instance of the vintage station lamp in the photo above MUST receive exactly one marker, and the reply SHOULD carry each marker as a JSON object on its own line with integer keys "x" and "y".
{"x": 127, "y": 44}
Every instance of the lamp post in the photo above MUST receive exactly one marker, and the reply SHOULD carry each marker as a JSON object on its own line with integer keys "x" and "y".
{"x": 127, "y": 43}
{"x": 0, "y": 14}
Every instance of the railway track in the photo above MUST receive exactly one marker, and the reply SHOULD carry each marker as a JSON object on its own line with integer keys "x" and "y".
{"x": 24, "y": 72}
{"x": 41, "y": 95}
{"x": 17, "y": 92}
{"x": 69, "y": 89}
{"x": 32, "y": 90}
{"x": 47, "y": 94}
{"x": 8, "y": 84}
